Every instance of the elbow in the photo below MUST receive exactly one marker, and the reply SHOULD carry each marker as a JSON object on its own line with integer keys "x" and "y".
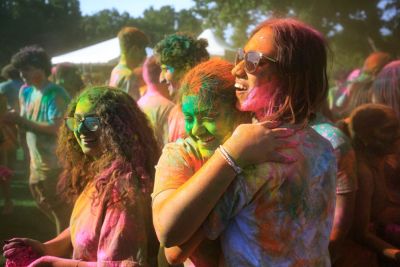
{"x": 175, "y": 258}
{"x": 169, "y": 232}
{"x": 168, "y": 239}
{"x": 168, "y": 235}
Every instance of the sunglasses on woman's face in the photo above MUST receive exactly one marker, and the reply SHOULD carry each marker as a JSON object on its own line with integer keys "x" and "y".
{"x": 91, "y": 123}
{"x": 252, "y": 59}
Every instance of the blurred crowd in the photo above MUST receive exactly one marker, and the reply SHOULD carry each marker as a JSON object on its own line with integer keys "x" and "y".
{"x": 182, "y": 159}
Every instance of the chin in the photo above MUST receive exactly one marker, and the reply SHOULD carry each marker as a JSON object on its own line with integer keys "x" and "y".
{"x": 249, "y": 105}
{"x": 207, "y": 153}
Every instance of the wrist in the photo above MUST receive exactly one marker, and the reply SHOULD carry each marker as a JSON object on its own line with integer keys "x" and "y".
{"x": 228, "y": 158}
{"x": 391, "y": 253}
{"x": 233, "y": 151}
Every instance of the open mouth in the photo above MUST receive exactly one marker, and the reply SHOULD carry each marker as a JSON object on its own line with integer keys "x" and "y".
{"x": 205, "y": 141}
{"x": 88, "y": 141}
{"x": 241, "y": 85}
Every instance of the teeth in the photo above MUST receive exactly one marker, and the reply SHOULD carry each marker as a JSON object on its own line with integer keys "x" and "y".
{"x": 240, "y": 86}
{"x": 87, "y": 140}
{"x": 207, "y": 139}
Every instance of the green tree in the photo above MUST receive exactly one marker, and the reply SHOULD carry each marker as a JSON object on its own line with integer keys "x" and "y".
{"x": 104, "y": 25}
{"x": 156, "y": 23}
{"x": 53, "y": 24}
{"x": 353, "y": 28}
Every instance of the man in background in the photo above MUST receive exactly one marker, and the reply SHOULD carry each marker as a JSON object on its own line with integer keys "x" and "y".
{"x": 42, "y": 106}
{"x": 132, "y": 43}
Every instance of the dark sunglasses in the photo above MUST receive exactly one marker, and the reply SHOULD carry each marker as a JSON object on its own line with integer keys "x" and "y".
{"x": 91, "y": 123}
{"x": 252, "y": 59}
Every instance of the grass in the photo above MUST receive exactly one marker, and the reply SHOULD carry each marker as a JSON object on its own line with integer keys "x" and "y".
{"x": 26, "y": 220}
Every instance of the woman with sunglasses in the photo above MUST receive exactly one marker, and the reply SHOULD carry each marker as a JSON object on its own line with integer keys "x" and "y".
{"x": 268, "y": 214}
{"x": 108, "y": 153}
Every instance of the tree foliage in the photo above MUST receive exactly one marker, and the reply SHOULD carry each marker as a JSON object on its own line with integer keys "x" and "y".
{"x": 353, "y": 28}
{"x": 53, "y": 24}
{"x": 59, "y": 27}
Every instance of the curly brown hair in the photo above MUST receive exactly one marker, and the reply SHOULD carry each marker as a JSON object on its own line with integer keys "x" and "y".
{"x": 130, "y": 148}
{"x": 181, "y": 50}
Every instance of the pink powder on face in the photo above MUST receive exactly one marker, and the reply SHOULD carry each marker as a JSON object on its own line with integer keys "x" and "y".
{"x": 261, "y": 99}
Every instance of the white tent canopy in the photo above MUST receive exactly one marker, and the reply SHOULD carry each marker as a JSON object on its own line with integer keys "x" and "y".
{"x": 108, "y": 51}
{"x": 99, "y": 53}
{"x": 216, "y": 46}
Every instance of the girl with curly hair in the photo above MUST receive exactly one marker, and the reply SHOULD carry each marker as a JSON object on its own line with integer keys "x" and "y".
{"x": 108, "y": 153}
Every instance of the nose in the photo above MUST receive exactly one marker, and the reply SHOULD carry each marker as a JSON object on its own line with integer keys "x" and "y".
{"x": 238, "y": 70}
{"x": 82, "y": 129}
{"x": 198, "y": 128}
{"x": 162, "y": 78}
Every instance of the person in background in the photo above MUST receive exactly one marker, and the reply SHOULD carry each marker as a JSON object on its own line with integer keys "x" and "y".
{"x": 177, "y": 54}
{"x": 67, "y": 75}
{"x": 108, "y": 154}
{"x": 8, "y": 141}
{"x": 42, "y": 106}
{"x": 155, "y": 103}
{"x": 9, "y": 91}
{"x": 10, "y": 87}
{"x": 374, "y": 132}
{"x": 132, "y": 43}
{"x": 138, "y": 71}
{"x": 346, "y": 183}
{"x": 386, "y": 87}
{"x": 357, "y": 91}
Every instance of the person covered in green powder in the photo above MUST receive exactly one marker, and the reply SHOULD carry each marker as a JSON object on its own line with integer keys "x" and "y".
{"x": 42, "y": 105}
{"x": 207, "y": 99}
{"x": 108, "y": 153}
{"x": 177, "y": 54}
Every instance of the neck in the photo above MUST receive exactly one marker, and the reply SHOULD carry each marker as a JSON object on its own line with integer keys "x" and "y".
{"x": 151, "y": 89}
{"x": 123, "y": 60}
{"x": 40, "y": 85}
{"x": 154, "y": 89}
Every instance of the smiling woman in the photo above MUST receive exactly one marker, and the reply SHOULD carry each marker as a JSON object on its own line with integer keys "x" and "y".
{"x": 207, "y": 98}
{"x": 107, "y": 150}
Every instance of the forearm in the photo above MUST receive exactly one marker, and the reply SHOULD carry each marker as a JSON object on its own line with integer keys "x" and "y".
{"x": 74, "y": 263}
{"x": 179, "y": 216}
{"x": 60, "y": 246}
{"x": 343, "y": 218}
{"x": 61, "y": 262}
{"x": 380, "y": 245}
{"x": 38, "y": 127}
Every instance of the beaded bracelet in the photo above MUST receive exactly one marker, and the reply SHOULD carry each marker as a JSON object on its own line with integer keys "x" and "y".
{"x": 229, "y": 160}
